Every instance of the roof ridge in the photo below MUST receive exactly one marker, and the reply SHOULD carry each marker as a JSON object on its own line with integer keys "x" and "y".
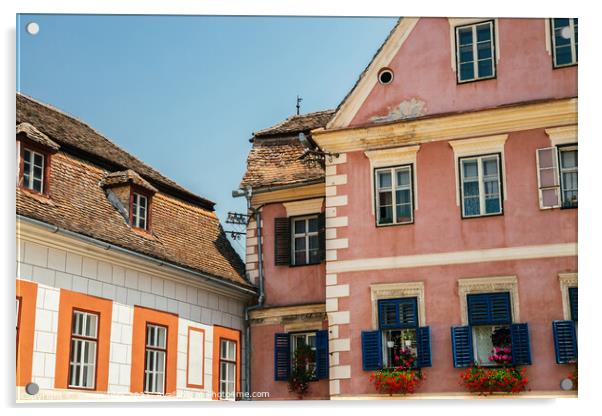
{"x": 113, "y": 143}
{"x": 293, "y": 117}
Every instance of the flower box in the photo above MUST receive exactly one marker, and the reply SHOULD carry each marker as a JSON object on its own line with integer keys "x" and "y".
{"x": 483, "y": 380}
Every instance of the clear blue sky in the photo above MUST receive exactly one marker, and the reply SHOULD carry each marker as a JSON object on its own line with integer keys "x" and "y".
{"x": 185, "y": 93}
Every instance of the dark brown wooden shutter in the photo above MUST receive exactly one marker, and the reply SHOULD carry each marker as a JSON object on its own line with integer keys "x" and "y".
{"x": 322, "y": 235}
{"x": 282, "y": 241}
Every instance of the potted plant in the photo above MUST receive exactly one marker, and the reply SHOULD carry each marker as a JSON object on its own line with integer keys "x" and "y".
{"x": 402, "y": 378}
{"x": 503, "y": 378}
{"x": 302, "y": 371}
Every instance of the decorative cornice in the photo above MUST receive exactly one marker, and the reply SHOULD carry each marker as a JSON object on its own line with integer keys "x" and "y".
{"x": 397, "y": 290}
{"x": 489, "y": 122}
{"x": 489, "y": 284}
{"x": 289, "y": 194}
{"x": 563, "y": 135}
{"x": 304, "y": 207}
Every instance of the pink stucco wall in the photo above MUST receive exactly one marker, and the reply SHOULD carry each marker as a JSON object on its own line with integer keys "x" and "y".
{"x": 540, "y": 303}
{"x": 288, "y": 285}
{"x": 439, "y": 227}
{"x": 423, "y": 71}
{"x": 438, "y": 224}
{"x": 262, "y": 364}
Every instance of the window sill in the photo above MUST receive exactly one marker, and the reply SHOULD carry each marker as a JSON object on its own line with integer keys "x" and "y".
{"x": 394, "y": 224}
{"x": 144, "y": 233}
{"x": 483, "y": 216}
{"x": 470, "y": 81}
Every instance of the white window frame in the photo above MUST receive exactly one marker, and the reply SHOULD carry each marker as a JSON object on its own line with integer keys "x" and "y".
{"x": 293, "y": 343}
{"x": 137, "y": 208}
{"x": 84, "y": 342}
{"x": 480, "y": 178}
{"x": 394, "y": 188}
{"x": 32, "y": 166}
{"x": 573, "y": 43}
{"x": 155, "y": 373}
{"x": 229, "y": 394}
{"x": 561, "y": 170}
{"x": 492, "y": 42}
{"x": 307, "y": 234}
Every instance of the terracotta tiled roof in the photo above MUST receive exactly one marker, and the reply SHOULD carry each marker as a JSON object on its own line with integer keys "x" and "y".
{"x": 277, "y": 155}
{"x": 297, "y": 123}
{"x": 74, "y": 134}
{"x": 126, "y": 177}
{"x": 183, "y": 233}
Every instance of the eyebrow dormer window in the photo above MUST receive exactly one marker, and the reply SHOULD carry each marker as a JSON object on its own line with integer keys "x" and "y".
{"x": 139, "y": 211}
{"x": 33, "y": 170}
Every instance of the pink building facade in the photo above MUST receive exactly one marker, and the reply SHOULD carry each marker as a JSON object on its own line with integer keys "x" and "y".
{"x": 450, "y": 210}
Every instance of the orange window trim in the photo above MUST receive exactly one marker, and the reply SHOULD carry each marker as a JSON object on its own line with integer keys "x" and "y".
{"x": 219, "y": 333}
{"x": 142, "y": 317}
{"x": 202, "y": 385}
{"x": 27, "y": 292}
{"x": 70, "y": 301}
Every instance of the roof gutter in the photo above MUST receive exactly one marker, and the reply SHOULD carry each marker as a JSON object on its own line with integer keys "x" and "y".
{"x": 108, "y": 246}
{"x": 271, "y": 188}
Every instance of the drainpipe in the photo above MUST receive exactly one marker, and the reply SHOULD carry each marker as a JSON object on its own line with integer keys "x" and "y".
{"x": 247, "y": 367}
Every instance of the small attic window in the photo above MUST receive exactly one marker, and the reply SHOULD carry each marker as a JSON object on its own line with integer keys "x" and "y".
{"x": 139, "y": 211}
{"x": 385, "y": 76}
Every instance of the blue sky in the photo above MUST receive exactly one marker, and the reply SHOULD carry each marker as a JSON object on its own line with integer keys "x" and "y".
{"x": 185, "y": 93}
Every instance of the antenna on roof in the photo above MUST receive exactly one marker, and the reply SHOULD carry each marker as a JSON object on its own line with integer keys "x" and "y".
{"x": 299, "y": 99}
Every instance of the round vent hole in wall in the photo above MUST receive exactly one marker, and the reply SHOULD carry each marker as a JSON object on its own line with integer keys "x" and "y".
{"x": 385, "y": 76}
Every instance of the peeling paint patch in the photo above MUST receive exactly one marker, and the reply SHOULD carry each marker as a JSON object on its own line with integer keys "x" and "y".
{"x": 406, "y": 109}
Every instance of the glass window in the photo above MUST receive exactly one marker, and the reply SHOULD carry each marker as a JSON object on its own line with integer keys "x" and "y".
{"x": 475, "y": 52}
{"x": 568, "y": 160}
{"x": 565, "y": 41}
{"x": 306, "y": 243}
{"x": 398, "y": 322}
{"x": 33, "y": 170}
{"x": 481, "y": 185}
{"x": 139, "y": 210}
{"x": 298, "y": 343}
{"x": 155, "y": 356}
{"x": 84, "y": 341}
{"x": 394, "y": 195}
{"x": 227, "y": 369}
{"x": 492, "y": 344}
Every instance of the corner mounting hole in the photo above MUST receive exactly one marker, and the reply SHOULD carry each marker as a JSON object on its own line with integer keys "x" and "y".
{"x": 385, "y": 76}
{"x": 32, "y": 28}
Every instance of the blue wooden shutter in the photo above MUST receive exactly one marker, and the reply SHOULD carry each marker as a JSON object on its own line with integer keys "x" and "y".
{"x": 371, "y": 350}
{"x": 573, "y": 297}
{"x": 423, "y": 342}
{"x": 521, "y": 347}
{"x": 489, "y": 309}
{"x": 462, "y": 346}
{"x": 397, "y": 313}
{"x": 282, "y": 356}
{"x": 322, "y": 354}
{"x": 565, "y": 341}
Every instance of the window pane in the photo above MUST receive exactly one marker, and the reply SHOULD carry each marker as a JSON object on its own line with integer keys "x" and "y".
{"x": 484, "y": 50}
{"x": 471, "y": 189}
{"x": 403, "y": 196}
{"x": 300, "y": 257}
{"x": 384, "y": 179}
{"x": 313, "y": 242}
{"x": 385, "y": 198}
{"x": 563, "y": 55}
{"x": 385, "y": 215}
{"x": 471, "y": 206}
{"x": 466, "y": 71}
{"x": 299, "y": 243}
{"x": 300, "y": 227}
{"x": 485, "y": 68}
{"x": 568, "y": 158}
{"x": 312, "y": 225}
{"x": 465, "y": 35}
{"x": 232, "y": 351}
{"x": 37, "y": 185}
{"x": 161, "y": 337}
{"x": 466, "y": 54}
{"x": 483, "y": 32}
{"x": 492, "y": 205}
{"x": 314, "y": 256}
{"x": 397, "y": 340}
{"x": 403, "y": 177}
{"x": 470, "y": 169}
{"x": 483, "y": 345}
{"x": 404, "y": 213}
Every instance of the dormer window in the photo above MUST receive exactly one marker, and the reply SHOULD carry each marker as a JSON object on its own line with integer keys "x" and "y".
{"x": 139, "y": 211}
{"x": 34, "y": 150}
{"x": 33, "y": 170}
{"x": 132, "y": 196}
